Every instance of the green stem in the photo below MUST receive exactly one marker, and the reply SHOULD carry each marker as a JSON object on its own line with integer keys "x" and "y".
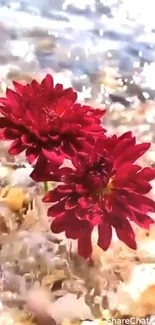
{"x": 46, "y": 188}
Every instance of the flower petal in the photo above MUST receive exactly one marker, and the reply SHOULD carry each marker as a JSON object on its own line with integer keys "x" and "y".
{"x": 6, "y": 123}
{"x": 65, "y": 189}
{"x": 59, "y": 87}
{"x": 142, "y": 219}
{"x": 47, "y": 82}
{"x": 123, "y": 173}
{"x": 49, "y": 171}
{"x": 14, "y": 100}
{"x": 125, "y": 233}
{"x": 59, "y": 224}
{"x": 61, "y": 106}
{"x": 66, "y": 175}
{"x": 133, "y": 154}
{"x": 27, "y": 140}
{"x": 32, "y": 154}
{"x": 36, "y": 86}
{"x": 72, "y": 232}
{"x": 141, "y": 186}
{"x": 126, "y": 135}
{"x": 18, "y": 87}
{"x": 122, "y": 147}
{"x": 50, "y": 155}
{"x": 141, "y": 202}
{"x": 57, "y": 210}
{"x": 72, "y": 95}
{"x": 80, "y": 189}
{"x": 9, "y": 134}
{"x": 84, "y": 243}
{"x": 147, "y": 174}
{"x": 6, "y": 110}
{"x": 53, "y": 196}
{"x": 71, "y": 203}
{"x": 17, "y": 147}
{"x": 83, "y": 202}
{"x": 105, "y": 235}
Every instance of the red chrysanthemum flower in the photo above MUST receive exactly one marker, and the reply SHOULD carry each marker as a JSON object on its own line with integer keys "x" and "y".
{"x": 105, "y": 190}
{"x": 44, "y": 120}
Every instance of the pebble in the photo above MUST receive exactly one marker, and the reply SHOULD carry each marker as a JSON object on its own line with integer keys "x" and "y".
{"x": 21, "y": 177}
{"x": 70, "y": 307}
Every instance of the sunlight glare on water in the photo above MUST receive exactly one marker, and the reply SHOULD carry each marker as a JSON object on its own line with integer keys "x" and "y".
{"x": 79, "y": 38}
{"x": 140, "y": 11}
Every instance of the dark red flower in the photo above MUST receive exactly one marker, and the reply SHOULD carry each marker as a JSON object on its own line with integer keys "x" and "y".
{"x": 106, "y": 190}
{"x": 44, "y": 120}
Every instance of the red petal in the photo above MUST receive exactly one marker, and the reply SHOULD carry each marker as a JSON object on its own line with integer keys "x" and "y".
{"x": 147, "y": 204}
{"x": 66, "y": 175}
{"x": 6, "y": 111}
{"x": 142, "y": 219}
{"x": 49, "y": 171}
{"x": 4, "y": 101}
{"x": 72, "y": 233}
{"x": 105, "y": 236}
{"x": 56, "y": 195}
{"x": 124, "y": 172}
{"x": 61, "y": 105}
{"x": 36, "y": 86}
{"x": 77, "y": 162}
{"x": 147, "y": 174}
{"x": 54, "y": 137}
{"x": 100, "y": 112}
{"x": 133, "y": 154}
{"x": 141, "y": 202}
{"x": 47, "y": 83}
{"x": 9, "y": 134}
{"x": 57, "y": 209}
{"x": 98, "y": 148}
{"x": 80, "y": 189}
{"x": 83, "y": 202}
{"x": 142, "y": 186}
{"x": 120, "y": 207}
{"x": 93, "y": 129}
{"x": 32, "y": 154}
{"x": 37, "y": 177}
{"x": 139, "y": 150}
{"x": 52, "y": 196}
{"x": 27, "y": 139}
{"x": 84, "y": 244}
{"x": 16, "y": 147}
{"x": 65, "y": 189}
{"x": 125, "y": 233}
{"x": 71, "y": 203}
{"x": 5, "y": 122}
{"x": 96, "y": 112}
{"x": 28, "y": 90}
{"x": 126, "y": 135}
{"x": 53, "y": 157}
{"x": 59, "y": 87}
{"x": 72, "y": 95}
{"x": 123, "y": 146}
{"x": 18, "y": 87}
{"x": 12, "y": 95}
{"x": 59, "y": 224}
{"x": 14, "y": 100}
{"x": 68, "y": 150}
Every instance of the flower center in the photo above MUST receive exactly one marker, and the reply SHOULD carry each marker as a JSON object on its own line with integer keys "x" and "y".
{"x": 102, "y": 192}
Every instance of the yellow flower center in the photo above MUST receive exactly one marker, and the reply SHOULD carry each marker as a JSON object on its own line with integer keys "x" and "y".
{"x": 102, "y": 192}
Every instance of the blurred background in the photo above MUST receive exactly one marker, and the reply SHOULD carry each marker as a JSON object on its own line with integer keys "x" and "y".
{"x": 105, "y": 49}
